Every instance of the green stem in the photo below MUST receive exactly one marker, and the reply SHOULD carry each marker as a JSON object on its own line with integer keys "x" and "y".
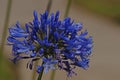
{"x": 52, "y": 75}
{"x": 41, "y": 73}
{"x": 49, "y": 6}
{"x": 6, "y": 22}
{"x": 34, "y": 72}
{"x": 66, "y": 14}
{"x": 68, "y": 8}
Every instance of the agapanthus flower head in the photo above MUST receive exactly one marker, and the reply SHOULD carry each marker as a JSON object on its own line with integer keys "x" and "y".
{"x": 59, "y": 44}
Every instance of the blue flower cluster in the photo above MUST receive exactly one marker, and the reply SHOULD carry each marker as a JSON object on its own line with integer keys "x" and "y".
{"x": 59, "y": 44}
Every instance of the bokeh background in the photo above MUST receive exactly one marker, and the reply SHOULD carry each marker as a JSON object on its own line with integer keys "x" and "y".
{"x": 100, "y": 17}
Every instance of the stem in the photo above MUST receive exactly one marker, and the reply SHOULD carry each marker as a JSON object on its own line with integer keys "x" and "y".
{"x": 49, "y": 6}
{"x": 68, "y": 8}
{"x": 66, "y": 14}
{"x": 52, "y": 75}
{"x": 41, "y": 73}
{"x": 48, "y": 9}
{"x": 34, "y": 71}
{"x": 6, "y": 22}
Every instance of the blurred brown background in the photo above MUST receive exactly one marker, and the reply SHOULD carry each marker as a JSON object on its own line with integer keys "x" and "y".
{"x": 100, "y": 17}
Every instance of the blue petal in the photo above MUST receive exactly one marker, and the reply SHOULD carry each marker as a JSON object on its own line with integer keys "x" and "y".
{"x": 39, "y": 68}
{"x": 17, "y": 32}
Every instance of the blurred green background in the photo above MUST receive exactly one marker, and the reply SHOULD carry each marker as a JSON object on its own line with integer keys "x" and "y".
{"x": 99, "y": 17}
{"x": 110, "y": 8}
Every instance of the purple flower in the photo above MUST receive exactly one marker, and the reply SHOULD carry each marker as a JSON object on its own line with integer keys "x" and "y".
{"x": 59, "y": 44}
{"x": 49, "y": 63}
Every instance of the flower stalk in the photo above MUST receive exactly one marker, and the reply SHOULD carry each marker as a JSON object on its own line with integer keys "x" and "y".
{"x": 49, "y": 6}
{"x": 53, "y": 75}
{"x": 47, "y": 9}
{"x": 66, "y": 14}
{"x": 6, "y": 22}
{"x": 41, "y": 73}
{"x": 67, "y": 8}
